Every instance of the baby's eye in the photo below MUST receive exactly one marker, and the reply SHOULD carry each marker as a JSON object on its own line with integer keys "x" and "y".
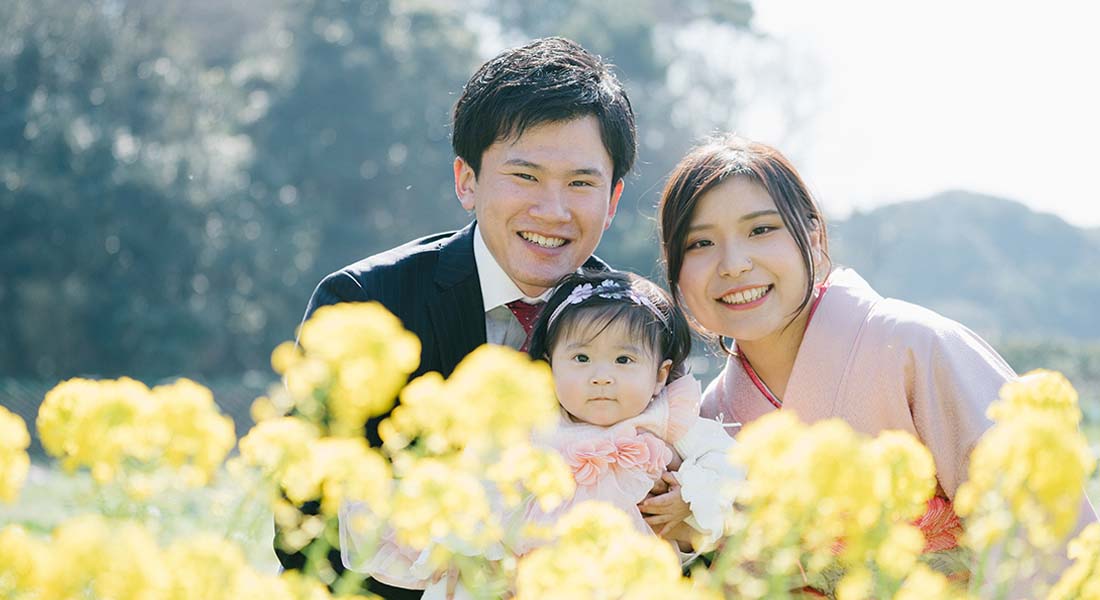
{"x": 581, "y": 358}
{"x": 624, "y": 360}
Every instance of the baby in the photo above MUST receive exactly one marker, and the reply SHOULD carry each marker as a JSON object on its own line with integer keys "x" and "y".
{"x": 613, "y": 341}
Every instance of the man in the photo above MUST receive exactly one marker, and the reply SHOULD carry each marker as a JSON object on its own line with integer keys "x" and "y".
{"x": 543, "y": 135}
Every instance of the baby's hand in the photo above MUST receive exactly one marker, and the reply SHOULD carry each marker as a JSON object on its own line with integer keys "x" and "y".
{"x": 665, "y": 508}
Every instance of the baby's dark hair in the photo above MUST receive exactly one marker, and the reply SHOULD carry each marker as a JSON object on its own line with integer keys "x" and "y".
{"x": 645, "y": 309}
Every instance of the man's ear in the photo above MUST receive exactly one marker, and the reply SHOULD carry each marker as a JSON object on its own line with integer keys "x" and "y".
{"x": 465, "y": 183}
{"x": 616, "y": 193}
{"x": 662, "y": 376}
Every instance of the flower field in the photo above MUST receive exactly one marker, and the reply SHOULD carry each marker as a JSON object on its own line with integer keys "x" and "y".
{"x": 150, "y": 494}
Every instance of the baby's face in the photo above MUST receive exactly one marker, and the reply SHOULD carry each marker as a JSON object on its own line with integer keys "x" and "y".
{"x": 608, "y": 378}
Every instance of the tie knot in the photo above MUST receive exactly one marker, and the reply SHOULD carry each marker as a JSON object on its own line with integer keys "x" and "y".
{"x": 526, "y": 313}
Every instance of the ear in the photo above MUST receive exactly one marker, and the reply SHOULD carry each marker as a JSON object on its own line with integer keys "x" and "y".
{"x": 465, "y": 183}
{"x": 612, "y": 206}
{"x": 662, "y": 376}
{"x": 815, "y": 247}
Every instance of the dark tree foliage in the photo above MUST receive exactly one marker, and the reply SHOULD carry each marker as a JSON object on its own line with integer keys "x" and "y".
{"x": 114, "y": 149}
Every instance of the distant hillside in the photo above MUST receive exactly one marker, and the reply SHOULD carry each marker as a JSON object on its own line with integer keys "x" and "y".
{"x": 993, "y": 264}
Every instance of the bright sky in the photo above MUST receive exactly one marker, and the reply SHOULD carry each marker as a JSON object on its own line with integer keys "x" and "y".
{"x": 999, "y": 97}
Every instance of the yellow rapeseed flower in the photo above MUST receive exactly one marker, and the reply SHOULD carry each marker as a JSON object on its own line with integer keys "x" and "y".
{"x": 540, "y": 471}
{"x": 336, "y": 469}
{"x": 822, "y": 493}
{"x": 1038, "y": 391}
{"x": 357, "y": 356}
{"x": 1082, "y": 579}
{"x": 205, "y": 567}
{"x": 121, "y": 427}
{"x": 494, "y": 399}
{"x": 435, "y": 501}
{"x": 274, "y": 444}
{"x": 199, "y": 435}
{"x": 597, "y": 554}
{"x": 1032, "y": 469}
{"x": 22, "y": 560}
{"x": 99, "y": 425}
{"x": 91, "y": 556}
{"x": 14, "y": 462}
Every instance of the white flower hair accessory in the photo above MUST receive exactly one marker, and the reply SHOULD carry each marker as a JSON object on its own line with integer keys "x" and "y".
{"x": 610, "y": 290}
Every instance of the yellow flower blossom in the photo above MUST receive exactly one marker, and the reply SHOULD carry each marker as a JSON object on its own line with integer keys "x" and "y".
{"x": 22, "y": 559}
{"x": 205, "y": 567}
{"x": 539, "y": 471}
{"x": 1082, "y": 578}
{"x": 335, "y": 469}
{"x": 14, "y": 462}
{"x": 273, "y": 444}
{"x": 1029, "y": 468}
{"x": 494, "y": 399}
{"x": 90, "y": 554}
{"x": 435, "y": 501}
{"x": 357, "y": 356}
{"x": 822, "y": 493}
{"x": 199, "y": 435}
{"x": 598, "y": 554}
{"x": 1039, "y": 391}
{"x": 923, "y": 583}
{"x": 121, "y": 427}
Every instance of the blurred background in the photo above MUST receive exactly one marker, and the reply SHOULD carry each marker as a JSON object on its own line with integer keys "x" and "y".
{"x": 176, "y": 176}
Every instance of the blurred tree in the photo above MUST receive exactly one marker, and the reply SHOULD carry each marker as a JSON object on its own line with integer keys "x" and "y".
{"x": 113, "y": 148}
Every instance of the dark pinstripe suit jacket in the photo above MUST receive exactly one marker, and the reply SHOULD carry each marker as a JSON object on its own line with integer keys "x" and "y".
{"x": 432, "y": 285}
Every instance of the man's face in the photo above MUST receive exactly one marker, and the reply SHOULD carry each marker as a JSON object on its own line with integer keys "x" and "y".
{"x": 542, "y": 200}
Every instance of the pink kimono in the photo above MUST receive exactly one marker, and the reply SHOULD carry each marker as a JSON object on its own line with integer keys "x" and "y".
{"x": 878, "y": 364}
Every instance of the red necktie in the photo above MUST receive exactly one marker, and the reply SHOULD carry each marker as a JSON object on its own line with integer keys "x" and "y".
{"x": 526, "y": 314}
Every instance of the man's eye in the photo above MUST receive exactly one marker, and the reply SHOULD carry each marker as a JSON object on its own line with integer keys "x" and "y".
{"x": 624, "y": 360}
{"x": 581, "y": 358}
{"x": 579, "y": 183}
{"x": 525, "y": 176}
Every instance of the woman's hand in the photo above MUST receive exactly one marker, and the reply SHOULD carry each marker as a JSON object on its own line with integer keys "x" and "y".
{"x": 665, "y": 510}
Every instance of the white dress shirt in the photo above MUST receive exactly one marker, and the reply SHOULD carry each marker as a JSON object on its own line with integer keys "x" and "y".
{"x": 497, "y": 290}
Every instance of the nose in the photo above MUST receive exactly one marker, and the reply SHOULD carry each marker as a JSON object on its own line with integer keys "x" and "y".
{"x": 601, "y": 378}
{"x": 551, "y": 205}
{"x": 734, "y": 262}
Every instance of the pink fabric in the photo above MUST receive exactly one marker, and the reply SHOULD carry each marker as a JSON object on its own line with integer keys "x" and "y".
{"x": 589, "y": 458}
{"x": 619, "y": 464}
{"x": 884, "y": 364}
{"x": 881, "y": 364}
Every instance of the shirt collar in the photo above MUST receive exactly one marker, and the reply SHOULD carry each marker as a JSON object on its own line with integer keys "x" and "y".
{"x": 497, "y": 288}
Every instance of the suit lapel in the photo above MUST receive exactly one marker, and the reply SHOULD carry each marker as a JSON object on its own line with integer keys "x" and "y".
{"x": 456, "y": 309}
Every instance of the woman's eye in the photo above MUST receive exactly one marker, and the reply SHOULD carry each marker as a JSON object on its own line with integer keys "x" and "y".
{"x": 761, "y": 230}
{"x": 581, "y": 358}
{"x": 624, "y": 360}
{"x": 699, "y": 244}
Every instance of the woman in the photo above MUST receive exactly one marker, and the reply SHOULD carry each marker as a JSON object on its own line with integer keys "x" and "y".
{"x": 746, "y": 252}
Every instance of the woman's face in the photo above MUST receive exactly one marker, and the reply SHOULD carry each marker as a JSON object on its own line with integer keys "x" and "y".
{"x": 742, "y": 274}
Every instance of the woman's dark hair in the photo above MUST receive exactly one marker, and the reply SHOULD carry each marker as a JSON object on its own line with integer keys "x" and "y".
{"x": 661, "y": 327}
{"x": 551, "y": 79}
{"x": 716, "y": 161}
